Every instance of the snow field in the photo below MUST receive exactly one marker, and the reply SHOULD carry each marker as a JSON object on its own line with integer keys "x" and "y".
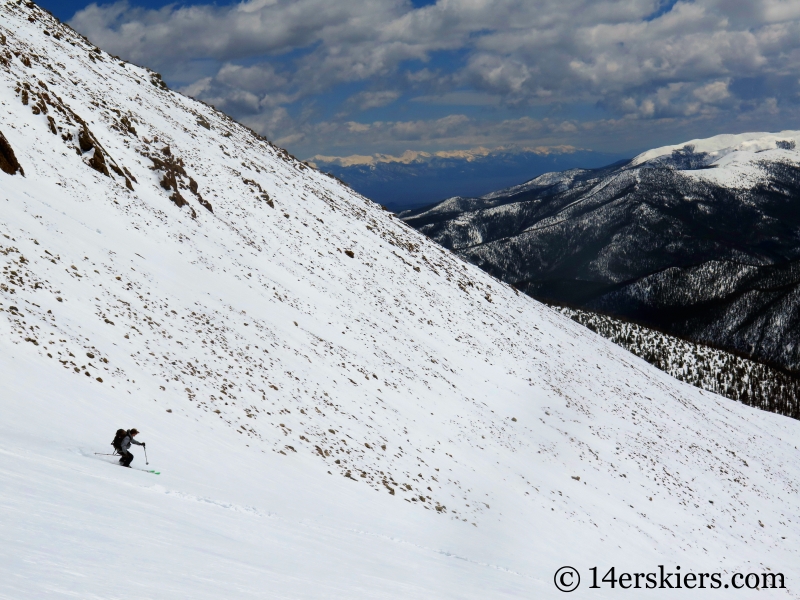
{"x": 338, "y": 407}
{"x": 725, "y": 144}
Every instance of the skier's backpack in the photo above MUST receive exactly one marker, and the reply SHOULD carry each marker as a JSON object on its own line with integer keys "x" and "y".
{"x": 120, "y": 435}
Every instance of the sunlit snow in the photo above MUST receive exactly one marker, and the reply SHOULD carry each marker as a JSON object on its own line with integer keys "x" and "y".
{"x": 338, "y": 408}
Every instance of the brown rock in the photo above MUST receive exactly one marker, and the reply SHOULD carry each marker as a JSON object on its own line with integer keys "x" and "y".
{"x": 85, "y": 140}
{"x": 8, "y": 161}
{"x": 98, "y": 162}
{"x": 205, "y": 204}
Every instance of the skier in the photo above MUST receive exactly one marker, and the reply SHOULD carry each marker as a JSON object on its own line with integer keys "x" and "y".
{"x": 125, "y": 444}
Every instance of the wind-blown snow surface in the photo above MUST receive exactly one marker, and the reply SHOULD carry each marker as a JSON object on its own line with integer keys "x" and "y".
{"x": 338, "y": 407}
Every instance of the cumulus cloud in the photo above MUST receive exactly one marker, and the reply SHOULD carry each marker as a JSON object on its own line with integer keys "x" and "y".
{"x": 461, "y": 135}
{"x": 279, "y": 64}
{"x": 714, "y": 92}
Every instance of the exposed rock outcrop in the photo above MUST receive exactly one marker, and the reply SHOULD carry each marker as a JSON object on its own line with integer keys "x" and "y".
{"x": 8, "y": 160}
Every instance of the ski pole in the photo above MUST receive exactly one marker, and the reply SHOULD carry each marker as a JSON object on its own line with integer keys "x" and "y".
{"x": 103, "y": 454}
{"x": 145, "y": 455}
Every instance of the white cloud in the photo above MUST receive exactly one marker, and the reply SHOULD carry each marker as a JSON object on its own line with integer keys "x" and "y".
{"x": 527, "y": 50}
{"x": 460, "y": 98}
{"x": 259, "y": 78}
{"x": 257, "y": 56}
{"x": 716, "y": 91}
{"x": 367, "y": 100}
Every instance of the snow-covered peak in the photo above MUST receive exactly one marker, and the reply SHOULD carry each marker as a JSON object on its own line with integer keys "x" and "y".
{"x": 338, "y": 406}
{"x": 721, "y": 145}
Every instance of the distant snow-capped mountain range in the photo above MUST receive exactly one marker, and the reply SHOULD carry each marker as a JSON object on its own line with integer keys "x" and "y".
{"x": 417, "y": 179}
{"x": 700, "y": 240}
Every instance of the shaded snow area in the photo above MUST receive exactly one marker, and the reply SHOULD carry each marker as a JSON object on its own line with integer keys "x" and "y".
{"x": 338, "y": 408}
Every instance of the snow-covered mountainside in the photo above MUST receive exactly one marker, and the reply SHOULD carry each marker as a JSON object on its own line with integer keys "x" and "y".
{"x": 338, "y": 407}
{"x": 544, "y": 185}
{"x": 708, "y": 368}
{"x": 701, "y": 241}
{"x": 719, "y": 146}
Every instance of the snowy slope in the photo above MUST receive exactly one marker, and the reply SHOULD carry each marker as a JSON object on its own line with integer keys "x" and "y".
{"x": 711, "y": 369}
{"x": 699, "y": 240}
{"x": 338, "y": 407}
{"x": 720, "y": 146}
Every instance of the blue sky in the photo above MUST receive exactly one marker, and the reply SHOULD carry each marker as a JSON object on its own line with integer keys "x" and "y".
{"x": 352, "y": 82}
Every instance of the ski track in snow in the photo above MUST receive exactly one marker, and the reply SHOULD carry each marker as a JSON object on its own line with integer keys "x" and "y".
{"x": 411, "y": 426}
